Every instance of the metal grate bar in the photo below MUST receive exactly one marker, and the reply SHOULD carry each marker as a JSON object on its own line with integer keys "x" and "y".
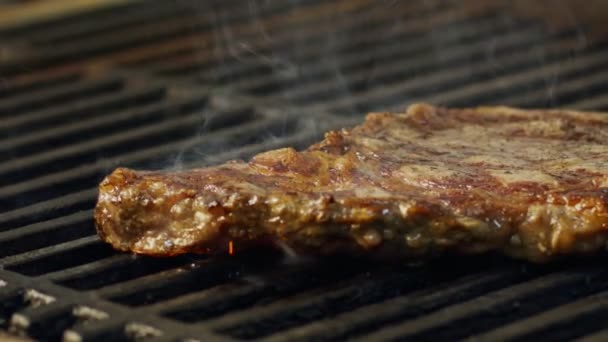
{"x": 107, "y": 330}
{"x": 46, "y": 210}
{"x": 186, "y": 126}
{"x": 88, "y": 107}
{"x": 362, "y": 24}
{"x": 111, "y": 42}
{"x": 585, "y": 80}
{"x": 113, "y": 270}
{"x": 42, "y": 226}
{"x": 87, "y": 250}
{"x": 222, "y": 122}
{"x": 113, "y": 145}
{"x": 35, "y": 187}
{"x": 87, "y": 47}
{"x": 176, "y": 55}
{"x": 456, "y": 313}
{"x": 47, "y": 321}
{"x": 313, "y": 29}
{"x": 12, "y": 300}
{"x": 117, "y": 20}
{"x": 249, "y": 291}
{"x": 348, "y": 61}
{"x": 58, "y": 95}
{"x": 85, "y": 199}
{"x": 557, "y": 319}
{"x": 224, "y": 298}
{"x": 31, "y": 28}
{"x": 12, "y": 89}
{"x": 112, "y": 261}
{"x": 316, "y": 72}
{"x": 598, "y": 336}
{"x": 172, "y": 21}
{"x": 169, "y": 329}
{"x": 530, "y": 78}
{"x": 400, "y": 70}
{"x": 309, "y": 306}
{"x": 93, "y": 127}
{"x": 44, "y": 234}
{"x": 203, "y": 121}
{"x": 236, "y": 271}
{"x": 27, "y": 263}
{"x": 199, "y": 41}
{"x": 154, "y": 280}
{"x": 396, "y": 93}
{"x": 172, "y": 284}
{"x": 366, "y": 318}
{"x": 28, "y": 81}
{"x": 598, "y": 103}
{"x": 144, "y": 35}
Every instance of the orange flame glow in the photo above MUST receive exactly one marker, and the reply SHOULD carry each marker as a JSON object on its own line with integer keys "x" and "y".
{"x": 230, "y": 248}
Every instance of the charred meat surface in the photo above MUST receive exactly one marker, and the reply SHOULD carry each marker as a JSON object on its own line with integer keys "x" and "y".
{"x": 531, "y": 184}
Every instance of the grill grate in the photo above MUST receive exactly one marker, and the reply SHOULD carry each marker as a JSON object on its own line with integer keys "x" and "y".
{"x": 185, "y": 84}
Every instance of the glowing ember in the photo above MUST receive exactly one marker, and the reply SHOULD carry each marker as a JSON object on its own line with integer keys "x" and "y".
{"x": 230, "y": 248}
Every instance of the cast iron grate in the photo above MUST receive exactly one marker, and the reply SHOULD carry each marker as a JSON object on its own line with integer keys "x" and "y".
{"x": 181, "y": 84}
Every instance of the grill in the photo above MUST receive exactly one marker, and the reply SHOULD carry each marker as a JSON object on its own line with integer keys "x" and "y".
{"x": 179, "y": 84}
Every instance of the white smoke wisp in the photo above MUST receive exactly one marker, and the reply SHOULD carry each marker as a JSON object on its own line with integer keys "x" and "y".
{"x": 552, "y": 80}
{"x": 253, "y": 47}
{"x": 187, "y": 153}
{"x": 232, "y": 45}
{"x": 290, "y": 256}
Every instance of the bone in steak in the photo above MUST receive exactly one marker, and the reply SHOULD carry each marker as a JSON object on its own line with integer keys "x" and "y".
{"x": 528, "y": 183}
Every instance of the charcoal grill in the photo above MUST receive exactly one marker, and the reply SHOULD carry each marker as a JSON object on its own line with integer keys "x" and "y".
{"x": 179, "y": 84}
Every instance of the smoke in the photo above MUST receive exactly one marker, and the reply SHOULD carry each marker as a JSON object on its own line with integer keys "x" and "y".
{"x": 328, "y": 58}
{"x": 552, "y": 80}
{"x": 232, "y": 48}
{"x": 182, "y": 157}
{"x": 248, "y": 37}
{"x": 290, "y": 256}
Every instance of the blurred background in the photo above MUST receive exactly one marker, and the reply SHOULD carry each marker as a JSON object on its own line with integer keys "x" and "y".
{"x": 89, "y": 85}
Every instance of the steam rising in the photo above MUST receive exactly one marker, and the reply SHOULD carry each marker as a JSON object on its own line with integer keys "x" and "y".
{"x": 310, "y": 65}
{"x": 291, "y": 257}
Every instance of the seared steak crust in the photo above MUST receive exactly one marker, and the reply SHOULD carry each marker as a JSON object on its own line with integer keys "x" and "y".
{"x": 530, "y": 183}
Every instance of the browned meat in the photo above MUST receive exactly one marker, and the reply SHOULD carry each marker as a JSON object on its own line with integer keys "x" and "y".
{"x": 532, "y": 184}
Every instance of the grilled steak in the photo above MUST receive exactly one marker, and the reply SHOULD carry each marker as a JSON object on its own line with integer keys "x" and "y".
{"x": 531, "y": 184}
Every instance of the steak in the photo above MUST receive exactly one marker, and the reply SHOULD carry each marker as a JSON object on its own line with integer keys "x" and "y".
{"x": 531, "y": 184}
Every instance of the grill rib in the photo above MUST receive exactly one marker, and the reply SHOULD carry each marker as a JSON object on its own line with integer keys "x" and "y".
{"x": 559, "y": 319}
{"x": 453, "y": 314}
